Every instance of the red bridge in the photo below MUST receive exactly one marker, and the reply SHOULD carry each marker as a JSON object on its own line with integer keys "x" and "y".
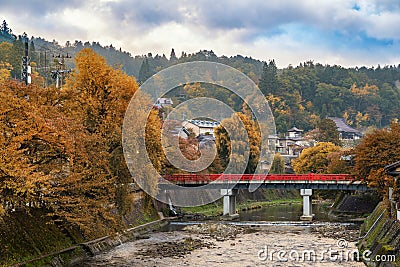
{"x": 230, "y": 183}
{"x": 277, "y": 181}
{"x": 207, "y": 178}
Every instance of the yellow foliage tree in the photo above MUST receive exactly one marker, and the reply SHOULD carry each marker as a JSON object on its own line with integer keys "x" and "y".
{"x": 315, "y": 159}
{"x": 225, "y": 146}
{"x": 195, "y": 90}
{"x": 30, "y": 147}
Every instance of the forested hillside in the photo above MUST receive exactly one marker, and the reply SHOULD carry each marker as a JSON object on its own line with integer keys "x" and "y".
{"x": 300, "y": 96}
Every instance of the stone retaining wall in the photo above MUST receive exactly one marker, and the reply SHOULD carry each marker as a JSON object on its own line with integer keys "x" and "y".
{"x": 380, "y": 234}
{"x": 74, "y": 256}
{"x": 97, "y": 246}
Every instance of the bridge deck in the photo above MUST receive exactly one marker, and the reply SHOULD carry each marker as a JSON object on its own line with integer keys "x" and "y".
{"x": 271, "y": 181}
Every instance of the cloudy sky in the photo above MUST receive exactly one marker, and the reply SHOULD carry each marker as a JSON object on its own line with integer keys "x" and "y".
{"x": 345, "y": 32}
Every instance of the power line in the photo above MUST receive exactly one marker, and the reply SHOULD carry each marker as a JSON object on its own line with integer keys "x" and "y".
{"x": 61, "y": 71}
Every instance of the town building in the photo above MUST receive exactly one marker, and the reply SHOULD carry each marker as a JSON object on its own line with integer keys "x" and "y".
{"x": 289, "y": 145}
{"x": 200, "y": 127}
{"x": 346, "y": 132}
{"x": 164, "y": 102}
{"x": 394, "y": 170}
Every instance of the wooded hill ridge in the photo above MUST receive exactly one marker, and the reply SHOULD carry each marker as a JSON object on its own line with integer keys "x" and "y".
{"x": 298, "y": 95}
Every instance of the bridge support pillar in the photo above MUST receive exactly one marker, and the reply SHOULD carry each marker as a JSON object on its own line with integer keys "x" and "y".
{"x": 229, "y": 202}
{"x": 307, "y": 204}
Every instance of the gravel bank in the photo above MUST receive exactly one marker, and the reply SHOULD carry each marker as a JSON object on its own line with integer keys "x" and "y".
{"x": 230, "y": 245}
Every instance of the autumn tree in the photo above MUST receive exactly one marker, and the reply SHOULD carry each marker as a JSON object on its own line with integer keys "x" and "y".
{"x": 328, "y": 132}
{"x": 195, "y": 90}
{"x": 225, "y": 146}
{"x": 52, "y": 157}
{"x": 191, "y": 149}
{"x": 5, "y": 66}
{"x": 315, "y": 159}
{"x": 95, "y": 98}
{"x": 278, "y": 164}
{"x": 340, "y": 162}
{"x": 376, "y": 150}
{"x": 26, "y": 140}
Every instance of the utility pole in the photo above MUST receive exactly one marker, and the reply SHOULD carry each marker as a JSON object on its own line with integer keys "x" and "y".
{"x": 45, "y": 68}
{"x": 26, "y": 69}
{"x": 58, "y": 74}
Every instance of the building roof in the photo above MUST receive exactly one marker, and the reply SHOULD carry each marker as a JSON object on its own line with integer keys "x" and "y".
{"x": 393, "y": 169}
{"x": 342, "y": 126}
{"x": 204, "y": 124}
{"x": 205, "y": 138}
{"x": 164, "y": 100}
{"x": 294, "y": 129}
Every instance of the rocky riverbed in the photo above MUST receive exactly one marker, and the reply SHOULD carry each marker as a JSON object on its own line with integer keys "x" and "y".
{"x": 217, "y": 244}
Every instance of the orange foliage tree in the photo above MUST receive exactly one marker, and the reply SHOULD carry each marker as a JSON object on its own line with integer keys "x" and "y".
{"x": 377, "y": 149}
{"x": 23, "y": 133}
{"x": 63, "y": 148}
{"x": 94, "y": 99}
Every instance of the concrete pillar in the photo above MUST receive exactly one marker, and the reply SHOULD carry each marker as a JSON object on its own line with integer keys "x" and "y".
{"x": 229, "y": 201}
{"x": 307, "y": 204}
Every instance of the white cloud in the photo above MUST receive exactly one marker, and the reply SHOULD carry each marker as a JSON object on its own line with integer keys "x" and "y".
{"x": 346, "y": 32}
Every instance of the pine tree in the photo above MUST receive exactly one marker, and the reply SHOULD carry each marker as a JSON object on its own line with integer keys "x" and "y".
{"x": 32, "y": 52}
{"x": 269, "y": 79}
{"x": 15, "y": 58}
{"x": 328, "y": 132}
{"x": 144, "y": 72}
{"x": 6, "y": 32}
{"x": 172, "y": 58}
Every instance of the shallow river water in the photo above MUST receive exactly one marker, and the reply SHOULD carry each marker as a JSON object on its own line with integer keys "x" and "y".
{"x": 276, "y": 240}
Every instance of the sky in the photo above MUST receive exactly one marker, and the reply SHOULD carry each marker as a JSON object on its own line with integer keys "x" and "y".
{"x": 345, "y": 32}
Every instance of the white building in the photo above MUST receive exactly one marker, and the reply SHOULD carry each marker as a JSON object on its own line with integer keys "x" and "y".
{"x": 200, "y": 127}
{"x": 164, "y": 102}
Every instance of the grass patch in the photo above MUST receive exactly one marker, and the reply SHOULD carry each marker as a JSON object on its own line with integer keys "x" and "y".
{"x": 215, "y": 209}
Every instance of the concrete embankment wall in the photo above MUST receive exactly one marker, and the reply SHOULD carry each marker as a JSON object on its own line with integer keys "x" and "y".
{"x": 75, "y": 255}
{"x": 380, "y": 234}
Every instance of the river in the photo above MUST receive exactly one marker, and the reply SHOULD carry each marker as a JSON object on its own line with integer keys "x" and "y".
{"x": 271, "y": 236}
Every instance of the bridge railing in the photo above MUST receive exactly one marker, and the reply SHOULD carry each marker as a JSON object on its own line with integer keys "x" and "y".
{"x": 208, "y": 178}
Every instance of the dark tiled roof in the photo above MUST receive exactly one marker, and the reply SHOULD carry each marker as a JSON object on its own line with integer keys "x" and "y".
{"x": 294, "y": 129}
{"x": 342, "y": 126}
{"x": 391, "y": 169}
